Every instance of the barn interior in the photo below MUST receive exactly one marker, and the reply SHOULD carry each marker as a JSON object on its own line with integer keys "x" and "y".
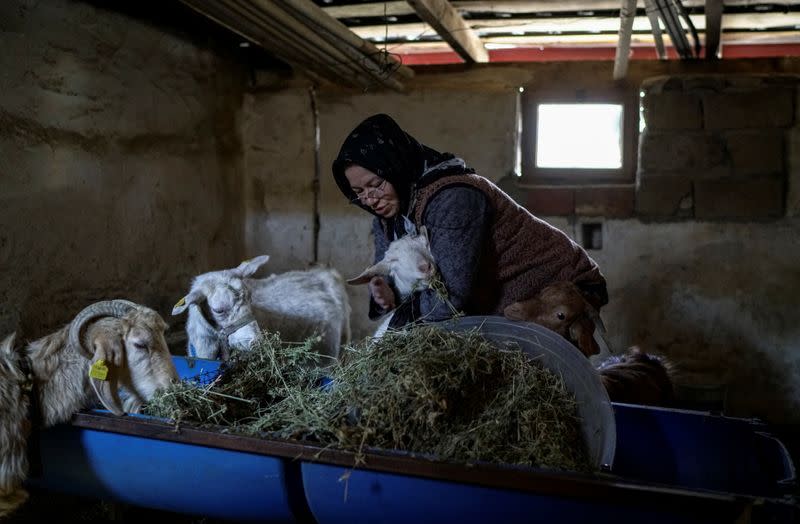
{"x": 145, "y": 143}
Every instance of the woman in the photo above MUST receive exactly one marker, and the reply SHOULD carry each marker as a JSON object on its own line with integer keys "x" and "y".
{"x": 489, "y": 251}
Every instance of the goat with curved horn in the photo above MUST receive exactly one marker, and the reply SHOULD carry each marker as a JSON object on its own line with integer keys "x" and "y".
{"x": 128, "y": 352}
{"x": 108, "y": 308}
{"x": 109, "y": 351}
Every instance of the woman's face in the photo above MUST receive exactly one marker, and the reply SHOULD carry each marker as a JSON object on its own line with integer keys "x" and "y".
{"x": 373, "y": 191}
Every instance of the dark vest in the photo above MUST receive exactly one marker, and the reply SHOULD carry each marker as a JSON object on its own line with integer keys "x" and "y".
{"x": 522, "y": 253}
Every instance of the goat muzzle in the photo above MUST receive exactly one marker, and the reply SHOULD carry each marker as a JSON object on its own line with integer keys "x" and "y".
{"x": 225, "y": 334}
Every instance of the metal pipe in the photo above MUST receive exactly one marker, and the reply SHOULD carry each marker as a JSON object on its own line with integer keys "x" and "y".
{"x": 626, "y": 14}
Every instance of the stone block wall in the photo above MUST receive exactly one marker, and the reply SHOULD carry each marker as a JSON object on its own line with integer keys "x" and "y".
{"x": 712, "y": 147}
{"x": 589, "y": 201}
{"x": 715, "y": 147}
{"x": 700, "y": 252}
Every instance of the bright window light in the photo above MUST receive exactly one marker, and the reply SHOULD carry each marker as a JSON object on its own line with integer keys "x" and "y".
{"x": 583, "y": 136}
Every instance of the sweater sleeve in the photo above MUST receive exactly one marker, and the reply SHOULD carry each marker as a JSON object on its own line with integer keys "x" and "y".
{"x": 457, "y": 219}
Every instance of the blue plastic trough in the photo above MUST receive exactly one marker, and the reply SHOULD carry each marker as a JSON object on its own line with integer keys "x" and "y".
{"x": 169, "y": 476}
{"x": 109, "y": 460}
{"x": 368, "y": 496}
{"x": 694, "y": 449}
{"x": 670, "y": 466}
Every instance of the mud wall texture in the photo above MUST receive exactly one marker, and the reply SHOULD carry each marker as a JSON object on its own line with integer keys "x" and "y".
{"x": 120, "y": 162}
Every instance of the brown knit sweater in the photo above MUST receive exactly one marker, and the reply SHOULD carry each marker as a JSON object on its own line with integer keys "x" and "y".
{"x": 522, "y": 254}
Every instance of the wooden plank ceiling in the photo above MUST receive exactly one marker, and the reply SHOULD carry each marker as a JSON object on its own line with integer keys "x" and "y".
{"x": 505, "y": 24}
{"x": 364, "y": 43}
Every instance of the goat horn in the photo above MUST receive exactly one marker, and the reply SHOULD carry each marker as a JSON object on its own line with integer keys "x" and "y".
{"x": 107, "y": 394}
{"x": 108, "y": 308}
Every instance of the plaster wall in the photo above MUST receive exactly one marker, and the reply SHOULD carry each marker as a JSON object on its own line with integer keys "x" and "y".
{"x": 120, "y": 169}
{"x": 719, "y": 299}
{"x": 278, "y": 131}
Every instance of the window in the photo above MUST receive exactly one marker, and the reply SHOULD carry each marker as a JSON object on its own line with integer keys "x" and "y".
{"x": 582, "y": 139}
{"x": 595, "y": 143}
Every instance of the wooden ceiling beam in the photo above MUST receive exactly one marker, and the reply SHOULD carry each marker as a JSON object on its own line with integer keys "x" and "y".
{"x": 441, "y": 15}
{"x": 594, "y": 54}
{"x": 372, "y": 9}
{"x": 626, "y": 14}
{"x": 402, "y": 8}
{"x": 741, "y": 38}
{"x": 588, "y": 25}
{"x": 610, "y": 40}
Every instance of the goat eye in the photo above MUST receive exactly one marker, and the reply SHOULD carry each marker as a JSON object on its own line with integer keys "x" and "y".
{"x": 140, "y": 345}
{"x": 561, "y": 316}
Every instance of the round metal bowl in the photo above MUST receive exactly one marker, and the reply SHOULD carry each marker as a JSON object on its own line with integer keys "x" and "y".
{"x": 556, "y": 354}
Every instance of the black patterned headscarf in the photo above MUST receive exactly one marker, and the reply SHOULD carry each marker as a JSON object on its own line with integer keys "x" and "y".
{"x": 381, "y": 146}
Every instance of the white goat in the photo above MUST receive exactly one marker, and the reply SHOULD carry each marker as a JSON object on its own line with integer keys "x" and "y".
{"x": 410, "y": 264}
{"x": 123, "y": 345}
{"x": 228, "y": 308}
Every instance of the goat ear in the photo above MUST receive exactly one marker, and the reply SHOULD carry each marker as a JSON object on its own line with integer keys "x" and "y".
{"x": 581, "y": 333}
{"x": 7, "y": 345}
{"x": 595, "y": 317}
{"x": 381, "y": 268}
{"x": 103, "y": 373}
{"x": 423, "y": 232}
{"x": 249, "y": 267}
{"x": 192, "y": 298}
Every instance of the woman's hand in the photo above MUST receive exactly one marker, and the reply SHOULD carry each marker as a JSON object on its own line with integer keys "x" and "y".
{"x": 382, "y": 293}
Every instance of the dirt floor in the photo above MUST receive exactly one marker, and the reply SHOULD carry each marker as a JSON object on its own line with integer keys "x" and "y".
{"x": 53, "y": 507}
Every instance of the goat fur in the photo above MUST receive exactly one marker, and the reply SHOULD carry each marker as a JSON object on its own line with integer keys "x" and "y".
{"x": 60, "y": 375}
{"x": 638, "y": 378}
{"x": 297, "y": 304}
{"x": 634, "y": 378}
{"x": 409, "y": 262}
{"x": 562, "y": 308}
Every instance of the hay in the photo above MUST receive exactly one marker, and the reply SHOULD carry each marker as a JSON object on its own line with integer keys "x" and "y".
{"x": 446, "y": 395}
{"x": 249, "y": 382}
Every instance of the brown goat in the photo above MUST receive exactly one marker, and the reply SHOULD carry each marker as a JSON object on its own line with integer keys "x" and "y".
{"x": 638, "y": 378}
{"x": 560, "y": 307}
{"x": 633, "y": 378}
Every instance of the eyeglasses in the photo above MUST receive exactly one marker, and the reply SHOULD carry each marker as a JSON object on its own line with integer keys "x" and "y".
{"x": 375, "y": 193}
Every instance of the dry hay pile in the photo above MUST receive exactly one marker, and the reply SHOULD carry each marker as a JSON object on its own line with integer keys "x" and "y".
{"x": 452, "y": 396}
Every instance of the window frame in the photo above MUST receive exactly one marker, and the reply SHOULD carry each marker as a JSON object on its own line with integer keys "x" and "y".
{"x": 573, "y": 175}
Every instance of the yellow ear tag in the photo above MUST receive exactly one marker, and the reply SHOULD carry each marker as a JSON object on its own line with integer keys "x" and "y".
{"x": 99, "y": 370}
{"x": 180, "y": 302}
